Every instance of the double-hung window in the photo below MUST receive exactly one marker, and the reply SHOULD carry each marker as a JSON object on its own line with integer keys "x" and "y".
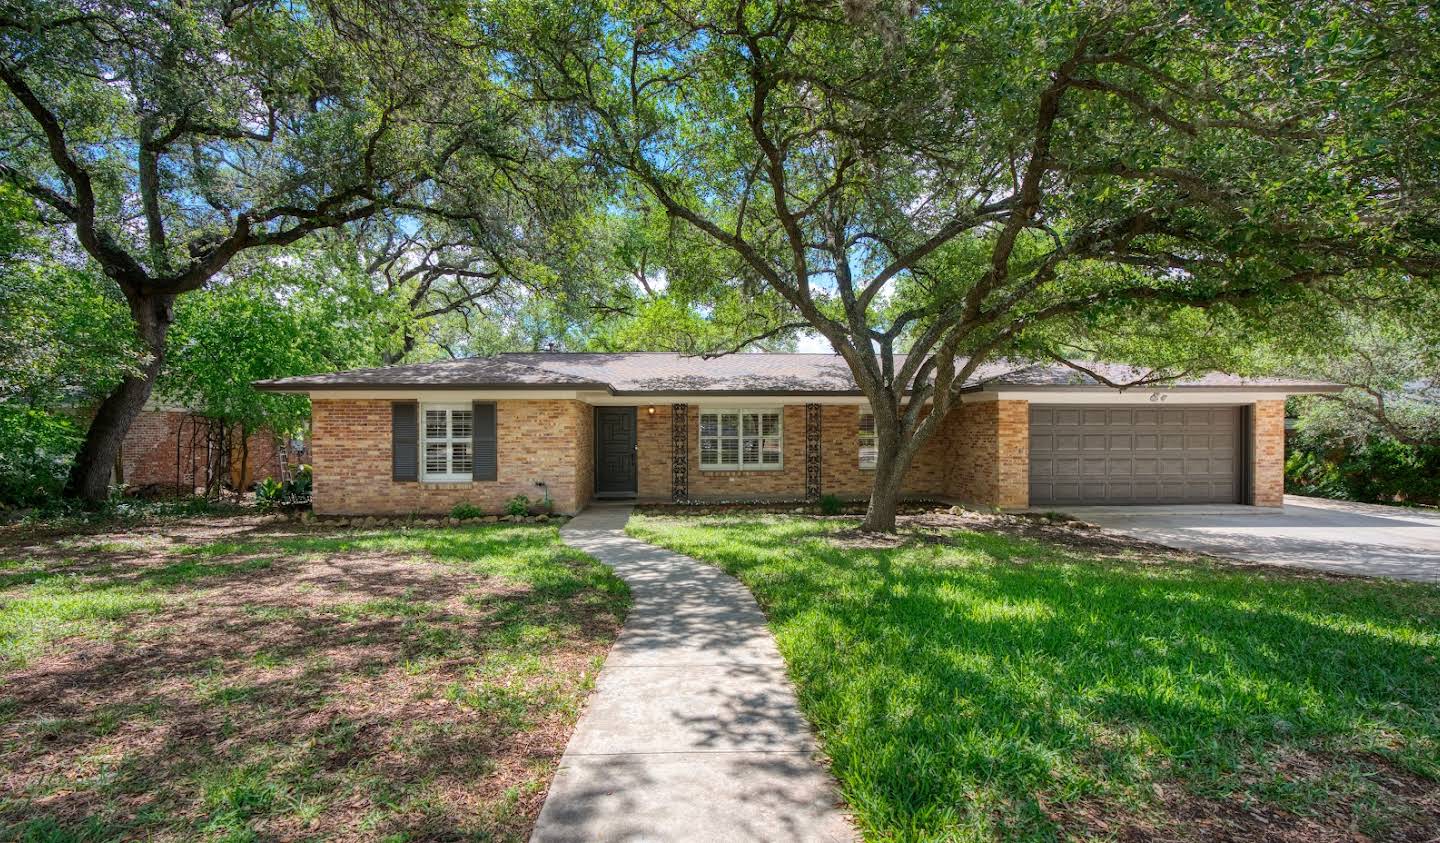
{"x": 868, "y": 451}
{"x": 741, "y": 439}
{"x": 448, "y": 444}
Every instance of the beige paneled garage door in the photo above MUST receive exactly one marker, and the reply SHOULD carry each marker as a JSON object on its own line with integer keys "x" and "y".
{"x": 1134, "y": 455}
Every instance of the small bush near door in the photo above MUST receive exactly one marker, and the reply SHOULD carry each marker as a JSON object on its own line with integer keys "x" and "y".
{"x": 518, "y": 506}
{"x": 463, "y": 511}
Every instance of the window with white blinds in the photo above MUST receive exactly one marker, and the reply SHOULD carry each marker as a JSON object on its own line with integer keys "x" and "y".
{"x": 448, "y": 445}
{"x": 868, "y": 450}
{"x": 741, "y": 439}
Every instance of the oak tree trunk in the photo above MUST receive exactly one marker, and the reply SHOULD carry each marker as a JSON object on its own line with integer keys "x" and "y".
{"x": 90, "y": 475}
{"x": 892, "y": 460}
{"x": 244, "y": 482}
{"x": 390, "y": 358}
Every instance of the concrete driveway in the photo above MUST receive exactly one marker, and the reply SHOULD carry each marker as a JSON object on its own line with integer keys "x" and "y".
{"x": 1334, "y": 536}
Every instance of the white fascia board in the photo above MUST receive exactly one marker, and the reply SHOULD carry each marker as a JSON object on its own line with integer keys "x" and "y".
{"x": 1176, "y": 395}
{"x": 595, "y": 397}
{"x": 736, "y": 399}
{"x": 445, "y": 396}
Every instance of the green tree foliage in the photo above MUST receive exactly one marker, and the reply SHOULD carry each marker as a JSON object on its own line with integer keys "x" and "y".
{"x": 66, "y": 335}
{"x": 283, "y": 315}
{"x": 668, "y": 290}
{"x": 463, "y": 289}
{"x": 66, "y": 339}
{"x": 963, "y": 180}
{"x": 1377, "y": 469}
{"x": 36, "y": 448}
{"x": 1388, "y": 360}
{"x": 167, "y": 138}
{"x": 609, "y": 279}
{"x": 1379, "y": 439}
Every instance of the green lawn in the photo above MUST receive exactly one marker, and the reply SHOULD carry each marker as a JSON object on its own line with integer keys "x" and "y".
{"x": 999, "y": 687}
{"x": 220, "y": 680}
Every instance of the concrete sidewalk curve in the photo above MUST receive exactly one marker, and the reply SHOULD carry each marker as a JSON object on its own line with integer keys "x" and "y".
{"x": 692, "y": 732}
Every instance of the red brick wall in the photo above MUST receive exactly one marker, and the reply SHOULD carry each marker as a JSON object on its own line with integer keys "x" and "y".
{"x": 546, "y": 440}
{"x": 1013, "y": 444}
{"x": 786, "y": 482}
{"x": 840, "y": 472}
{"x": 1268, "y": 471}
{"x": 989, "y": 453}
{"x": 584, "y": 416}
{"x": 652, "y": 452}
{"x": 148, "y": 454}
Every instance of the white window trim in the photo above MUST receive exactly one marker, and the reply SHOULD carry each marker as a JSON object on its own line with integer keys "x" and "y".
{"x": 427, "y": 476}
{"x": 778, "y": 411}
{"x": 859, "y": 448}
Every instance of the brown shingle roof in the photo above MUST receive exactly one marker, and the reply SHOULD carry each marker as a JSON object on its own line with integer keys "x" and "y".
{"x": 669, "y": 372}
{"x": 467, "y": 372}
{"x": 644, "y": 372}
{"x": 1057, "y": 374}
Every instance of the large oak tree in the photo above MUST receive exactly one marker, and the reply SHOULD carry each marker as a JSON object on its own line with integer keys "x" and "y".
{"x": 167, "y": 138}
{"x": 963, "y": 180}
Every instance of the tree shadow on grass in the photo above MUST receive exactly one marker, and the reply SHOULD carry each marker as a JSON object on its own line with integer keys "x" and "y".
{"x": 982, "y": 681}
{"x": 352, "y": 686}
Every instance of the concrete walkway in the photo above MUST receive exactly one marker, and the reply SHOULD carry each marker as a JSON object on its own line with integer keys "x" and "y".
{"x": 692, "y": 732}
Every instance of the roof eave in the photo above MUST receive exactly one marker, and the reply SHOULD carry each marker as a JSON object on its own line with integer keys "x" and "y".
{"x": 295, "y": 388}
{"x": 712, "y": 393}
{"x": 1288, "y": 389}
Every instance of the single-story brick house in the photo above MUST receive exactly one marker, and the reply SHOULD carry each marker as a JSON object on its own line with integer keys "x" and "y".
{"x": 658, "y": 426}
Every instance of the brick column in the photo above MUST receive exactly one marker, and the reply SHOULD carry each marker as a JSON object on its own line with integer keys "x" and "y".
{"x": 1012, "y": 463}
{"x": 1267, "y": 471}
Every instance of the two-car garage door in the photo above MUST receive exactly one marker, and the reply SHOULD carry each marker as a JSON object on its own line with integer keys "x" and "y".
{"x": 1134, "y": 455}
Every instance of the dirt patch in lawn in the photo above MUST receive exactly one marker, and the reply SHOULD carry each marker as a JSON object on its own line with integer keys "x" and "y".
{"x": 298, "y": 689}
{"x": 1066, "y": 532}
{"x": 1378, "y": 802}
{"x": 936, "y": 525}
{"x": 922, "y": 521}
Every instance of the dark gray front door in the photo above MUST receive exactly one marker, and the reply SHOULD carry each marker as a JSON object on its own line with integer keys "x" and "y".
{"x": 1134, "y": 455}
{"x": 615, "y": 450}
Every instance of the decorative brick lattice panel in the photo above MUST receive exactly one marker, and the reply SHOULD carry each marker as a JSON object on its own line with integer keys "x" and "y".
{"x": 812, "y": 451}
{"x": 679, "y": 452}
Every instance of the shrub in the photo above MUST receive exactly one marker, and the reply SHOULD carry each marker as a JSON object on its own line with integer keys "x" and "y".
{"x": 36, "y": 449}
{"x": 1379, "y": 470}
{"x": 67, "y": 513}
{"x": 269, "y": 493}
{"x": 463, "y": 511}
{"x": 830, "y": 505}
{"x": 518, "y": 506}
{"x": 301, "y": 482}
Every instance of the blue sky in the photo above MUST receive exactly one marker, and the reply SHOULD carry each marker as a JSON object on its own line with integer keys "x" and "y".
{"x": 810, "y": 341}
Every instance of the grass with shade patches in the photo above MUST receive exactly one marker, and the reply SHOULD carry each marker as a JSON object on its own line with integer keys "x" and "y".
{"x": 972, "y": 686}
{"x": 245, "y": 679}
